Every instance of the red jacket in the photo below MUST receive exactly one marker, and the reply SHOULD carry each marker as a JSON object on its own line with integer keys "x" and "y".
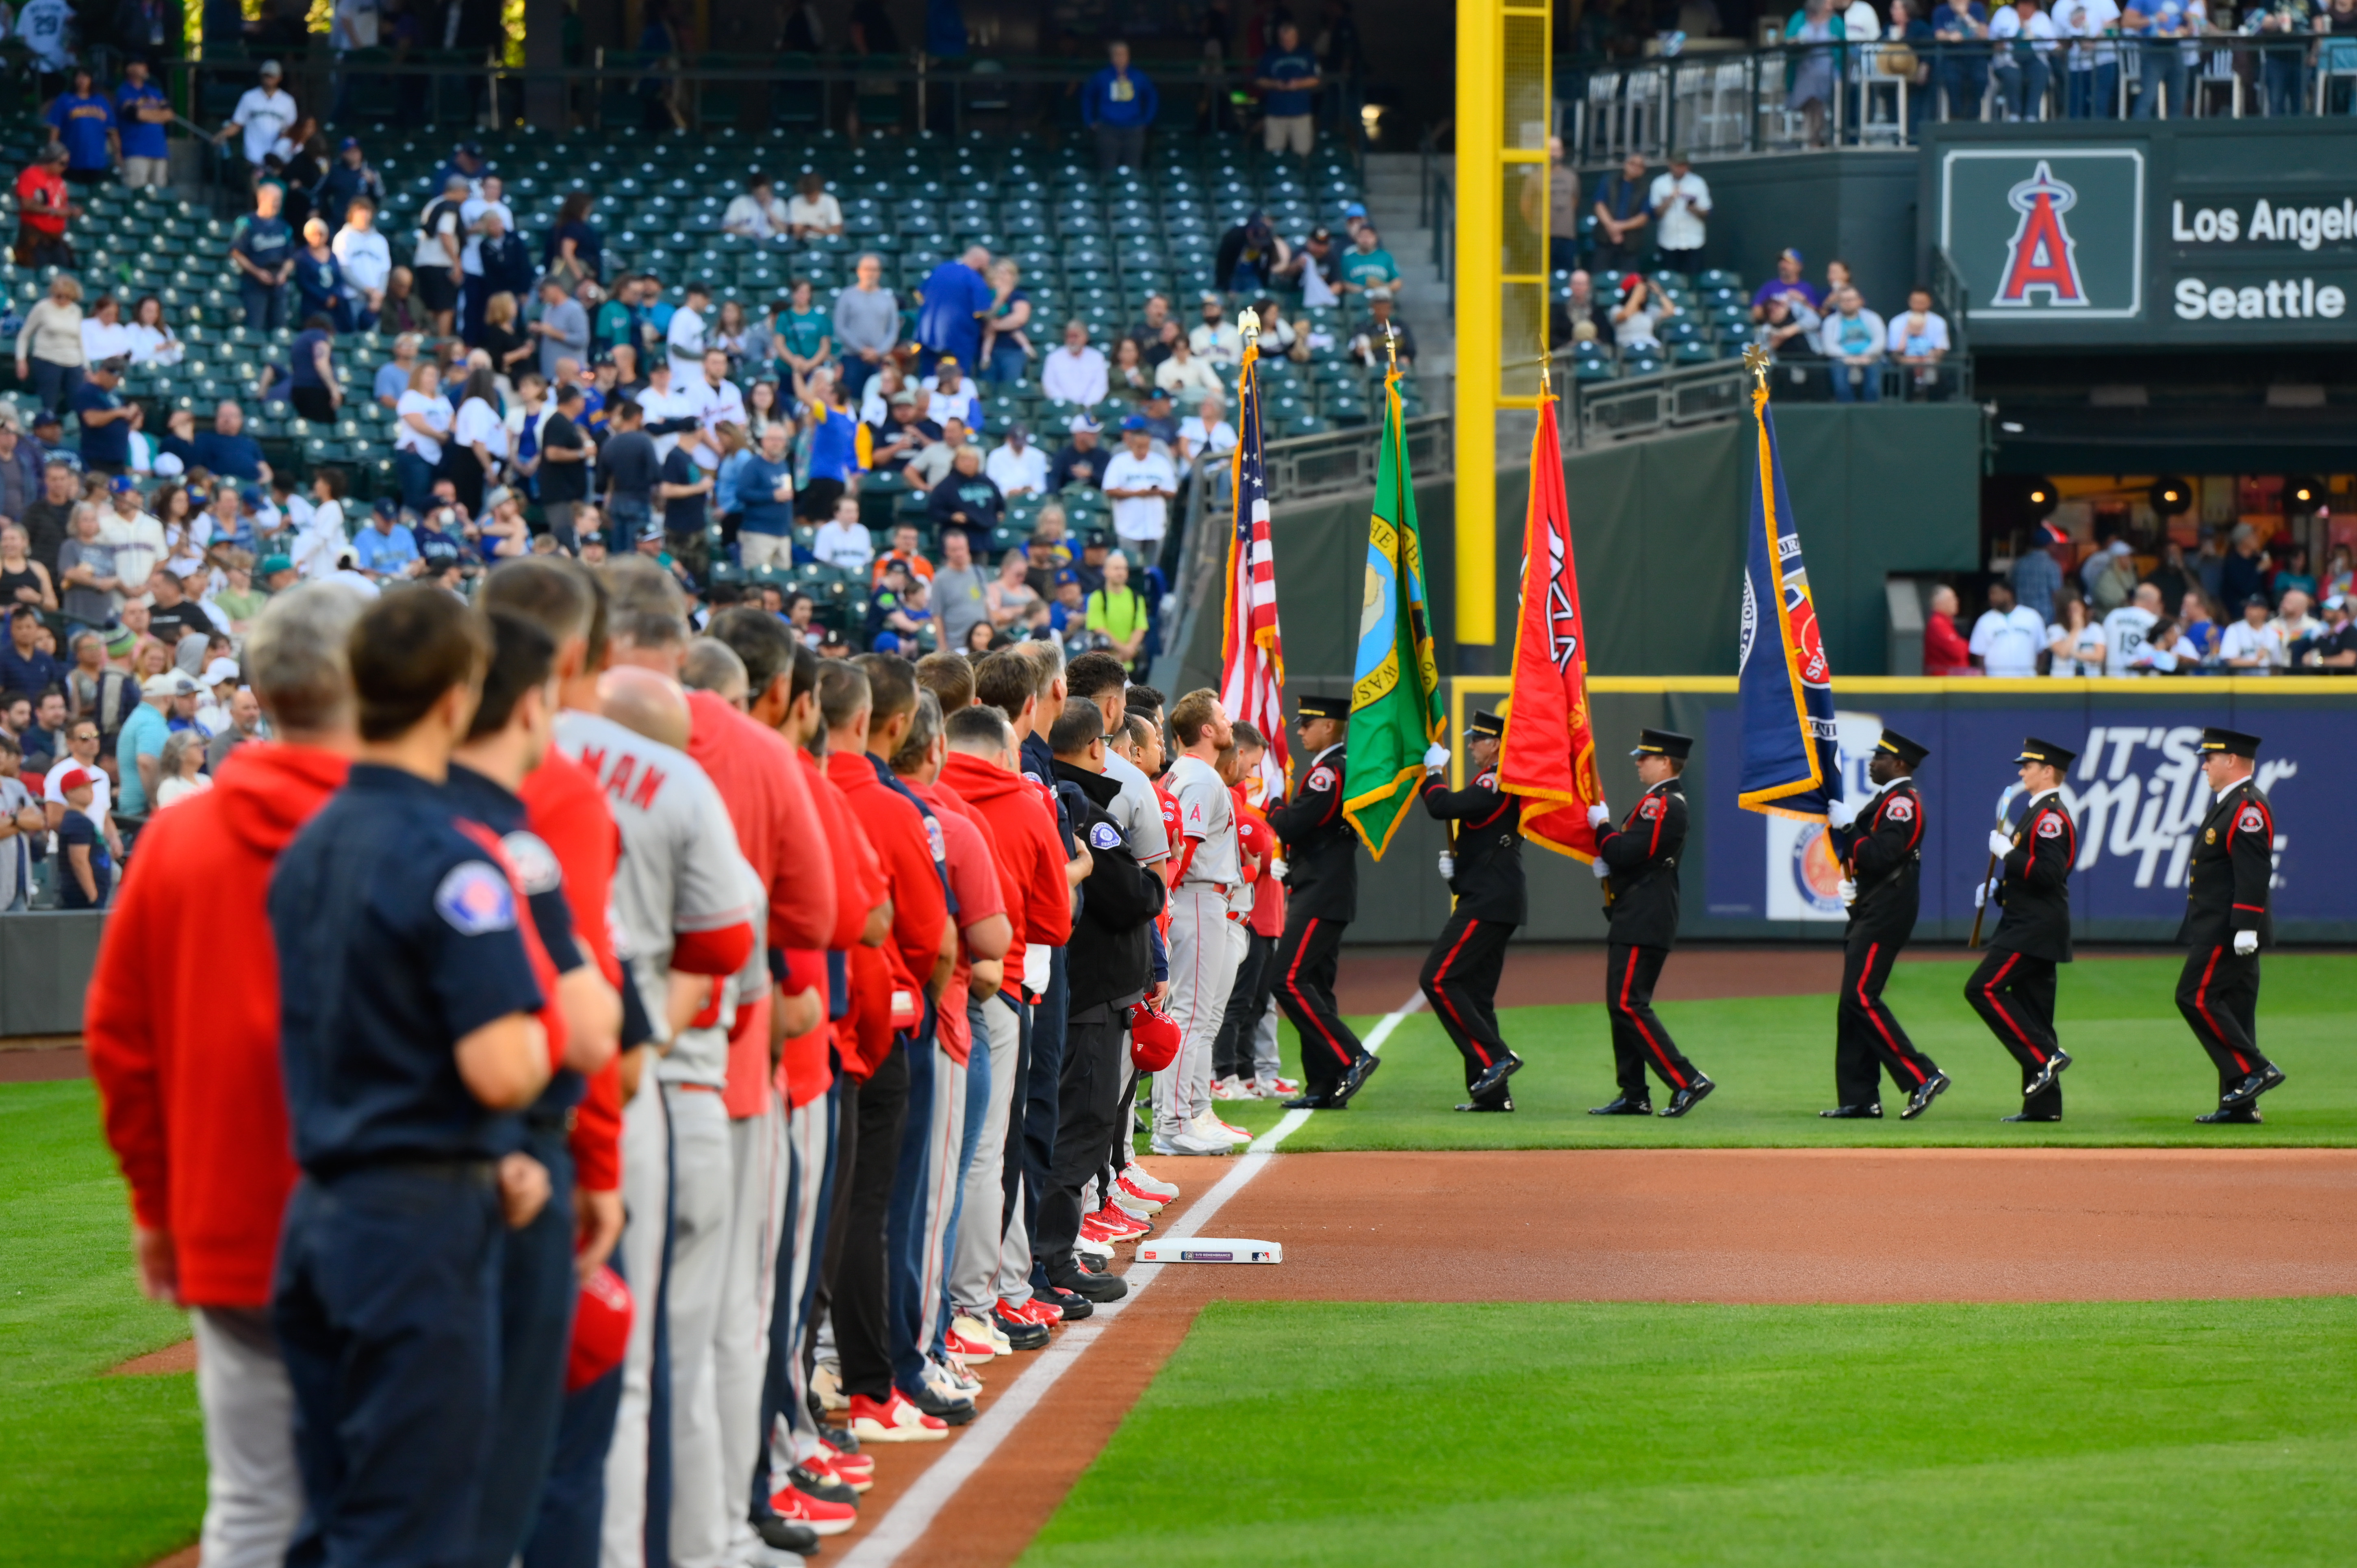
{"x": 1024, "y": 829}
{"x": 568, "y": 811}
{"x": 919, "y": 904}
{"x": 858, "y": 887}
{"x": 182, "y": 1021}
{"x": 1944, "y": 651}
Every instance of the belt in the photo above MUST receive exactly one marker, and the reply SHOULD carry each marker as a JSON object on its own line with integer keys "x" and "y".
{"x": 476, "y": 1168}
{"x": 1220, "y": 889}
{"x": 1237, "y": 917}
{"x": 693, "y": 1088}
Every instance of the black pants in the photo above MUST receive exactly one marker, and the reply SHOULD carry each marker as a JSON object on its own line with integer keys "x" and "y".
{"x": 1460, "y": 980}
{"x": 1043, "y": 1085}
{"x": 1638, "y": 1039}
{"x": 1866, "y": 1037}
{"x": 1088, "y": 1089}
{"x": 2014, "y": 994}
{"x": 1120, "y": 146}
{"x": 2219, "y": 994}
{"x": 314, "y": 403}
{"x": 862, "y": 1324}
{"x": 537, "y": 1291}
{"x": 1231, "y": 1053}
{"x": 1306, "y": 957}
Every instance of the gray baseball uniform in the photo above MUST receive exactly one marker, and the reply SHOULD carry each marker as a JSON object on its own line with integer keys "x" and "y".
{"x": 1202, "y": 950}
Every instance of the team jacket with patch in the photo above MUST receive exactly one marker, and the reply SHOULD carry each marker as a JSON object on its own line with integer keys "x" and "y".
{"x": 1321, "y": 849}
{"x": 1643, "y": 854}
{"x": 2036, "y": 882}
{"x": 2233, "y": 861}
{"x": 1110, "y": 958}
{"x": 1489, "y": 881}
{"x": 1883, "y": 853}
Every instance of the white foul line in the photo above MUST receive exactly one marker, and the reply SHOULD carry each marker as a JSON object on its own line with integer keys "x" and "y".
{"x": 913, "y": 1514}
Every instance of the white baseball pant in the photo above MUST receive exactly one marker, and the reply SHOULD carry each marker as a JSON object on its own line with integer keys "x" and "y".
{"x": 253, "y": 1492}
{"x": 1203, "y": 971}
{"x": 741, "y": 1340}
{"x": 702, "y": 1185}
{"x": 975, "y": 1261}
{"x": 944, "y": 1172}
{"x": 810, "y": 1134}
{"x": 1268, "y": 1066}
{"x": 646, "y": 1162}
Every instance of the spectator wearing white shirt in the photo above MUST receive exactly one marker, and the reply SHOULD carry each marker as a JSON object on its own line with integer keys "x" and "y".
{"x": 2075, "y": 644}
{"x": 842, "y": 542}
{"x": 758, "y": 214}
{"x": 1204, "y": 434}
{"x": 263, "y": 114}
{"x": 666, "y": 404}
{"x": 2092, "y": 83}
{"x": 717, "y": 400}
{"x": 365, "y": 257}
{"x": 1217, "y": 341}
{"x": 490, "y": 196}
{"x": 1856, "y": 340}
{"x": 813, "y": 209}
{"x": 949, "y": 395}
{"x": 1680, "y": 203}
{"x": 2251, "y": 645}
{"x": 1918, "y": 339}
{"x": 1016, "y": 467}
{"x": 1184, "y": 375}
{"x": 687, "y": 330}
{"x": 1140, "y": 482}
{"x": 2025, "y": 40}
{"x": 2008, "y": 637}
{"x": 104, "y": 334}
{"x": 1075, "y": 372}
{"x": 2126, "y": 629}
{"x": 323, "y": 541}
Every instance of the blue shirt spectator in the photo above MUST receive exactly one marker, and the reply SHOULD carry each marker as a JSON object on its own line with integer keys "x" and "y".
{"x": 265, "y": 242}
{"x": 1296, "y": 64}
{"x": 140, "y": 139}
{"x": 29, "y": 670}
{"x": 1123, "y": 98}
{"x": 835, "y": 443}
{"x": 760, "y": 511}
{"x": 319, "y": 281}
{"x": 230, "y": 452}
{"x": 2036, "y": 578}
{"x": 384, "y": 552}
{"x": 81, "y": 119}
{"x": 107, "y": 443}
{"x": 955, "y": 295}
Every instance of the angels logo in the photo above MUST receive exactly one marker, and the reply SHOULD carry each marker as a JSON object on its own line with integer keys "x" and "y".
{"x": 2041, "y": 257}
{"x": 1902, "y": 809}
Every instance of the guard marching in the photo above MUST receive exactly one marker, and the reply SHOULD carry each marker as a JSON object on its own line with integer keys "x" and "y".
{"x": 1485, "y": 871}
{"x": 1321, "y": 897}
{"x": 1638, "y": 862}
{"x": 2226, "y": 924}
{"x": 2012, "y": 989}
{"x": 1881, "y": 845}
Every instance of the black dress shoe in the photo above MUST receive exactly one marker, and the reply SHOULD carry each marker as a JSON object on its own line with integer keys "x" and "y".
{"x": 1316, "y": 1100}
{"x": 2250, "y": 1089}
{"x": 822, "y": 1487}
{"x": 1021, "y": 1336}
{"x": 1095, "y": 1287}
{"x": 1496, "y": 1073}
{"x": 1073, "y": 1305}
{"x": 2055, "y": 1063}
{"x": 1355, "y": 1078}
{"x": 2233, "y": 1116}
{"x": 2025, "y": 1116}
{"x": 787, "y": 1536}
{"x": 1624, "y": 1106}
{"x": 1928, "y": 1090}
{"x": 1870, "y": 1111}
{"x": 1686, "y": 1099}
{"x": 1505, "y": 1104}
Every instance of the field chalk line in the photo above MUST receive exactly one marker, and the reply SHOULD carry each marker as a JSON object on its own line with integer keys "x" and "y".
{"x": 905, "y": 1524}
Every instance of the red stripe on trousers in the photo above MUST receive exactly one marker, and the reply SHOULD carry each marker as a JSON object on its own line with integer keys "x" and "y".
{"x": 1874, "y": 1014}
{"x": 1989, "y": 991}
{"x": 1626, "y": 982}
{"x": 1439, "y": 977}
{"x": 2201, "y": 1003}
{"x": 1293, "y": 989}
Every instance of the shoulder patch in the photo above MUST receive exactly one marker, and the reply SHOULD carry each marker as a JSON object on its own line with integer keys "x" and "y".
{"x": 1320, "y": 779}
{"x": 2252, "y": 821}
{"x": 475, "y": 899}
{"x": 1650, "y": 808}
{"x": 1487, "y": 780}
{"x": 933, "y": 838}
{"x": 535, "y": 864}
{"x": 2049, "y": 826}
{"x": 1900, "y": 810}
{"x": 1105, "y": 836}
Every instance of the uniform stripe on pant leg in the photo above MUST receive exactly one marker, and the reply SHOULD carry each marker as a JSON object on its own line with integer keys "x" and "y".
{"x": 1874, "y": 1012}
{"x": 1441, "y": 990}
{"x": 2201, "y": 1003}
{"x": 1293, "y": 989}
{"x": 1627, "y": 980}
{"x": 1988, "y": 993}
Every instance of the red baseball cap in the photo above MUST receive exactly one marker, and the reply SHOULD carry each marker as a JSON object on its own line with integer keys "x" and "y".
{"x": 1154, "y": 1037}
{"x": 72, "y": 779}
{"x": 601, "y": 1329}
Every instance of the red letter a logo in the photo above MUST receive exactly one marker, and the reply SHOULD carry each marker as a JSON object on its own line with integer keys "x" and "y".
{"x": 2041, "y": 254}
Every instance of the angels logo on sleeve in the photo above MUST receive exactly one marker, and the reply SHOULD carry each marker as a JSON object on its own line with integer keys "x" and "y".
{"x": 1321, "y": 779}
{"x": 2252, "y": 821}
{"x": 475, "y": 899}
{"x": 1901, "y": 810}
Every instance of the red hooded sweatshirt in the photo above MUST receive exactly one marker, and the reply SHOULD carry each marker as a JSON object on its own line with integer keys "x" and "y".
{"x": 568, "y": 811}
{"x": 186, "y": 1058}
{"x": 858, "y": 888}
{"x": 1024, "y": 830}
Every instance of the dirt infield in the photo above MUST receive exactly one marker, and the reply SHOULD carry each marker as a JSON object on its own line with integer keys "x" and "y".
{"x": 1769, "y": 1226}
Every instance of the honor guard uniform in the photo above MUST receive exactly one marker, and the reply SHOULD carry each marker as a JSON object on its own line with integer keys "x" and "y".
{"x": 1882, "y": 848}
{"x": 2226, "y": 924}
{"x": 2012, "y": 989}
{"x": 1638, "y": 862}
{"x": 1485, "y": 871}
{"x": 1321, "y": 897}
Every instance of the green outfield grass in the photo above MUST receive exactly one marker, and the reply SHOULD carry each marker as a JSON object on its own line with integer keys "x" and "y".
{"x": 2138, "y": 1076}
{"x": 2135, "y": 1434}
{"x": 101, "y": 1472}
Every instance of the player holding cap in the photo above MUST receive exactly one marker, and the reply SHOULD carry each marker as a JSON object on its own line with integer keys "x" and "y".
{"x": 1638, "y": 862}
{"x": 2012, "y": 989}
{"x": 2226, "y": 924}
{"x": 1881, "y": 846}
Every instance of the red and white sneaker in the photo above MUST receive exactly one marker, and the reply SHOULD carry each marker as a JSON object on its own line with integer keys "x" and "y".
{"x": 894, "y": 1421}
{"x": 1045, "y": 1313}
{"x": 798, "y": 1507}
{"x": 1144, "y": 1186}
{"x": 1231, "y": 1087}
{"x": 1134, "y": 1207}
{"x": 1093, "y": 1248}
{"x": 1120, "y": 1221}
{"x": 856, "y": 1471}
{"x": 969, "y": 1350}
{"x": 1277, "y": 1088}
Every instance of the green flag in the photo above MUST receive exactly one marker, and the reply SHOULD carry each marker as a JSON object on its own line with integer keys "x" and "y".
{"x": 1395, "y": 696}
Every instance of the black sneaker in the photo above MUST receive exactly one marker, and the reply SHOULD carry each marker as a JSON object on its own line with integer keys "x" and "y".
{"x": 957, "y": 1412}
{"x": 1095, "y": 1287}
{"x": 825, "y": 1489}
{"x": 785, "y": 1535}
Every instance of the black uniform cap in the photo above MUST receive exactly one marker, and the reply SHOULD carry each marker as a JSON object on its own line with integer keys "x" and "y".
{"x": 2232, "y": 742}
{"x": 1910, "y": 752}
{"x": 1662, "y": 743}
{"x": 2056, "y": 757}
{"x": 1323, "y": 708}
{"x": 1485, "y": 723}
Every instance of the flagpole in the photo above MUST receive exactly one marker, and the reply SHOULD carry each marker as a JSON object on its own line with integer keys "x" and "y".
{"x": 1391, "y": 397}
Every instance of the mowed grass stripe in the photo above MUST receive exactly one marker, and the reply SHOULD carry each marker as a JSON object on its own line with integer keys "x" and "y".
{"x": 2139, "y": 1077}
{"x": 2094, "y": 1433}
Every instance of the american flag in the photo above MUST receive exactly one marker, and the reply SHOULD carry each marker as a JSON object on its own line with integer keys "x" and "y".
{"x": 1252, "y": 653}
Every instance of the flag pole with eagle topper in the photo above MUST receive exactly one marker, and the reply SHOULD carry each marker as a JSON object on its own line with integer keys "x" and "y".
{"x": 1252, "y": 652}
{"x": 1547, "y": 756}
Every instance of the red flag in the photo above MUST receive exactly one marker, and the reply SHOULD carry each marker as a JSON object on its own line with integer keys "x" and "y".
{"x": 1549, "y": 755}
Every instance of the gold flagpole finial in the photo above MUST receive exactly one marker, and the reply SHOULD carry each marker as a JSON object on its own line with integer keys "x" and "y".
{"x": 1248, "y": 323}
{"x": 1391, "y": 346}
{"x": 1756, "y": 360}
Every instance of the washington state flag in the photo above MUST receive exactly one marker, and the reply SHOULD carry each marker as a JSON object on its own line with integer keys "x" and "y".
{"x": 1395, "y": 691}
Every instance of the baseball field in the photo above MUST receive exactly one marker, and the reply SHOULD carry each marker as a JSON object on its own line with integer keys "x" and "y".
{"x": 1750, "y": 1336}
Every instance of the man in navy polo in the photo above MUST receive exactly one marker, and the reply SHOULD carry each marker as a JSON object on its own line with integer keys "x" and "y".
{"x": 141, "y": 113}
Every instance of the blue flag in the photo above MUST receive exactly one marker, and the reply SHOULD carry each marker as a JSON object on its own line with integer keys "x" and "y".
{"x": 1790, "y": 759}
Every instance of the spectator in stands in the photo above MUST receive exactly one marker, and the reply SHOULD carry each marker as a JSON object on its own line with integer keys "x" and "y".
{"x": 1624, "y": 215}
{"x": 961, "y": 596}
{"x": 835, "y": 461}
{"x": 575, "y": 251}
{"x": 563, "y": 328}
{"x": 1945, "y": 651}
{"x": 1856, "y": 340}
{"x": 1007, "y": 347}
{"x": 1154, "y": 332}
{"x": 227, "y": 450}
{"x": 2008, "y": 637}
{"x": 81, "y": 121}
{"x": 1788, "y": 329}
{"x": 349, "y": 179}
{"x": 1075, "y": 372}
{"x": 1368, "y": 344}
{"x": 141, "y": 113}
{"x": 901, "y": 435}
{"x": 966, "y": 498}
{"x": 1140, "y": 482}
{"x": 42, "y": 210}
{"x": 1010, "y": 596}
{"x": 87, "y": 873}
{"x": 319, "y": 285}
{"x": 24, "y": 582}
{"x": 950, "y": 395}
{"x": 1641, "y": 306}
{"x": 1367, "y": 266}
{"x": 2333, "y": 651}
{"x": 366, "y": 260}
{"x": 866, "y": 323}
{"x": 1215, "y": 340}
{"x": 1185, "y": 377}
{"x": 45, "y": 742}
{"x": 105, "y": 419}
{"x": 841, "y": 542}
{"x": 952, "y": 304}
{"x": 1016, "y": 466}
{"x": 2200, "y": 625}
{"x": 103, "y": 336}
{"x": 1079, "y": 463}
{"x": 2037, "y": 570}
{"x": 2161, "y": 24}
{"x": 1558, "y": 185}
{"x": 1128, "y": 376}
{"x": 21, "y": 819}
{"x": 402, "y": 309}
{"x": 932, "y": 465}
{"x": 422, "y": 417}
{"x": 2095, "y": 68}
{"x": 1680, "y": 200}
{"x": 2252, "y": 645}
{"x": 1205, "y": 432}
{"x": 386, "y": 550}
{"x": 150, "y": 338}
{"x": 48, "y": 345}
{"x": 2294, "y": 574}
{"x": 1788, "y": 283}
{"x": 2074, "y": 641}
{"x": 263, "y": 254}
{"x": 764, "y": 491}
{"x": 2109, "y": 576}
{"x": 1288, "y": 79}
{"x": 264, "y": 115}
{"x": 2245, "y": 575}
{"x": 1250, "y": 256}
{"x": 318, "y": 392}
{"x": 438, "y": 264}
{"x": 1117, "y": 104}
{"x": 1918, "y": 339}
{"x": 2293, "y": 624}
{"x": 1962, "y": 53}
{"x": 2024, "y": 39}
{"x": 756, "y": 214}
{"x": 24, "y": 666}
{"x": 812, "y": 208}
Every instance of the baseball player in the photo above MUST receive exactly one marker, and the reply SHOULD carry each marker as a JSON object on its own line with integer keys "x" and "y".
{"x": 1638, "y": 862}
{"x": 1202, "y": 950}
{"x": 2012, "y": 989}
{"x": 2226, "y": 924}
{"x": 1460, "y": 974}
{"x": 1321, "y": 898}
{"x": 1881, "y": 845}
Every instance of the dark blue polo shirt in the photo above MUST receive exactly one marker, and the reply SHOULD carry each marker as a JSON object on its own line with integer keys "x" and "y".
{"x": 397, "y": 937}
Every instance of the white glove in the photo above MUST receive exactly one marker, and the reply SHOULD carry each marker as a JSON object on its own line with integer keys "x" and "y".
{"x": 1984, "y": 893}
{"x": 1277, "y": 866}
{"x": 1597, "y": 866}
{"x": 1849, "y": 891}
{"x": 1448, "y": 866}
{"x": 1435, "y": 758}
{"x": 1840, "y": 813}
{"x": 1599, "y": 814}
{"x": 2245, "y": 943}
{"x": 2000, "y": 843}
